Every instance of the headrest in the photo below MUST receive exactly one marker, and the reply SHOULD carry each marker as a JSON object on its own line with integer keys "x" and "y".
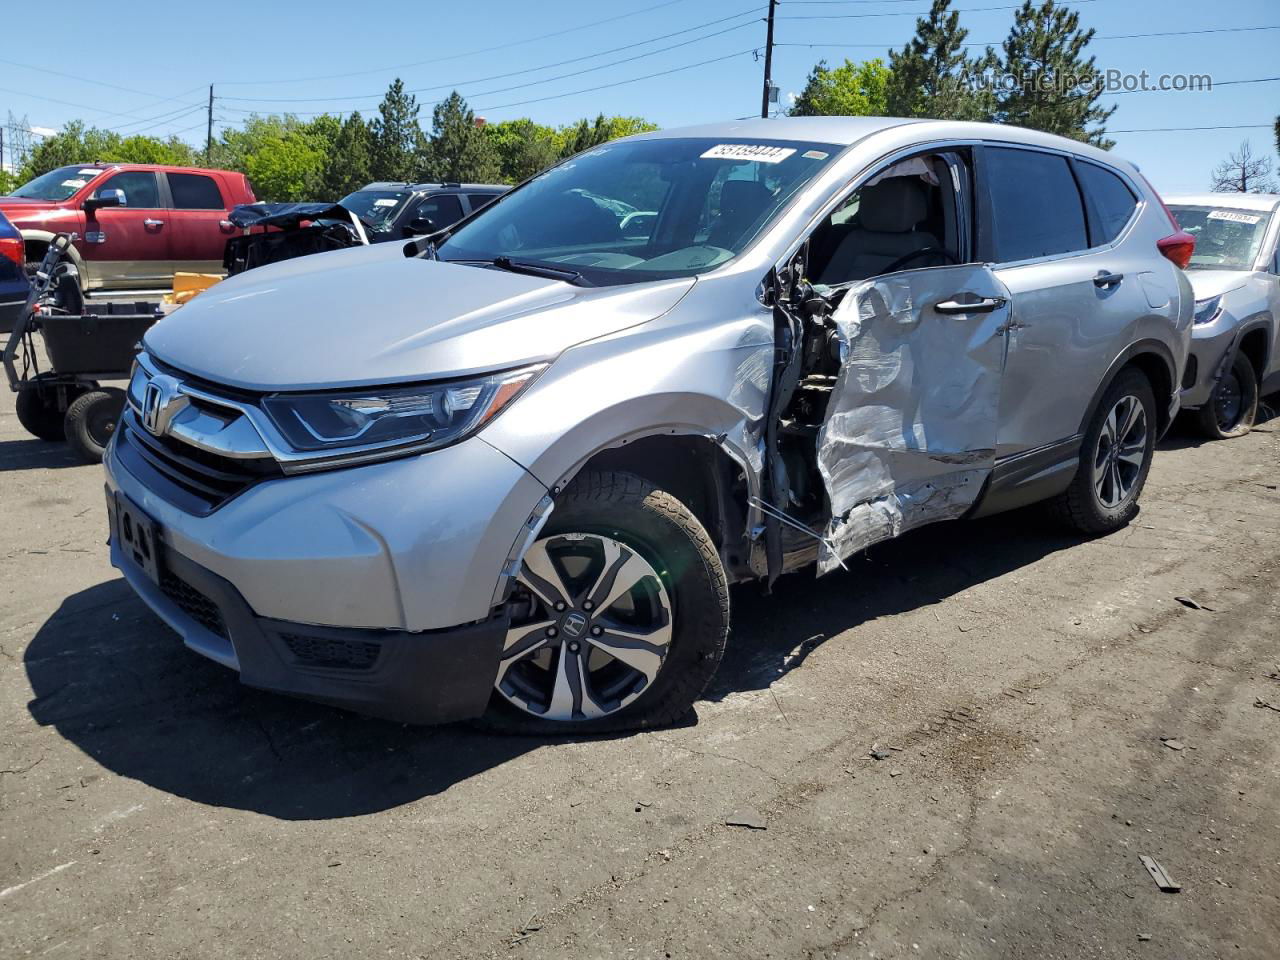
{"x": 893, "y": 206}
{"x": 744, "y": 196}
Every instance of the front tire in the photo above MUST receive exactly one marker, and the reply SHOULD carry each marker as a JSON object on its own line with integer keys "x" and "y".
{"x": 620, "y": 614}
{"x": 1233, "y": 406}
{"x": 1115, "y": 458}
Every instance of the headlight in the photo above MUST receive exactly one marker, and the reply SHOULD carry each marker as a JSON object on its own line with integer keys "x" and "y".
{"x": 1207, "y": 310}
{"x": 424, "y": 416}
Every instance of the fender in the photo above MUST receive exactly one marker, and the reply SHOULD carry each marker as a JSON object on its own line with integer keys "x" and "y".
{"x": 1148, "y": 347}
{"x": 45, "y": 236}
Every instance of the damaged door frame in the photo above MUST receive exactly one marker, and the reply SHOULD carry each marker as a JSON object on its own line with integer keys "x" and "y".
{"x": 787, "y": 291}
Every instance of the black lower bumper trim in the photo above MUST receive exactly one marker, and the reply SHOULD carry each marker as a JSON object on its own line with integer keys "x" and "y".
{"x": 429, "y": 677}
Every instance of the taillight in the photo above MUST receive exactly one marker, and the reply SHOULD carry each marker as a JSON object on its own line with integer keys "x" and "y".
{"x": 1177, "y": 248}
{"x": 13, "y": 249}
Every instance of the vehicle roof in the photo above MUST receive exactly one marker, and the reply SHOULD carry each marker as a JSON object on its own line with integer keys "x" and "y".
{"x": 159, "y": 167}
{"x": 404, "y": 185}
{"x": 1240, "y": 201}
{"x": 845, "y": 131}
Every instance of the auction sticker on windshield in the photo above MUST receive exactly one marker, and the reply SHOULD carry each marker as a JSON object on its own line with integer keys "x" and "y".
{"x": 744, "y": 151}
{"x": 1234, "y": 216}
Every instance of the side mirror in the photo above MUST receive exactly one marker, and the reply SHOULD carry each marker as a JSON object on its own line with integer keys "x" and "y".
{"x": 421, "y": 226}
{"x": 105, "y": 198}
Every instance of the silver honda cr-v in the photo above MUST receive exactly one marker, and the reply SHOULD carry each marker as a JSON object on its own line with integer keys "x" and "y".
{"x": 515, "y": 466}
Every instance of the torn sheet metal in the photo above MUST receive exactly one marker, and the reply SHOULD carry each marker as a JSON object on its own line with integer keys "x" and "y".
{"x": 909, "y": 435}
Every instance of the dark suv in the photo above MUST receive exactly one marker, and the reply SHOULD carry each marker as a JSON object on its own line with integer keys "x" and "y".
{"x": 394, "y": 211}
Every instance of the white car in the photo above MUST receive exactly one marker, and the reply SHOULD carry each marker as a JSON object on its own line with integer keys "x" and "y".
{"x": 1235, "y": 272}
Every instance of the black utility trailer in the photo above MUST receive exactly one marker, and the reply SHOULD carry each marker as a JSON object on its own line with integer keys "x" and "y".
{"x": 85, "y": 344}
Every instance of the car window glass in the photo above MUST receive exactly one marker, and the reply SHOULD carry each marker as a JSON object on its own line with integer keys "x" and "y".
{"x": 194, "y": 191}
{"x": 478, "y": 200}
{"x": 138, "y": 186}
{"x": 1035, "y": 203}
{"x": 1227, "y": 238}
{"x": 57, "y": 184}
{"x": 1112, "y": 200}
{"x": 442, "y": 210}
{"x": 903, "y": 218}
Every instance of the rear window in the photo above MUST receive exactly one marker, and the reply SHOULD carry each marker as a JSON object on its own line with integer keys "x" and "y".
{"x": 1035, "y": 203}
{"x": 194, "y": 191}
{"x": 442, "y": 210}
{"x": 478, "y": 200}
{"x": 1113, "y": 201}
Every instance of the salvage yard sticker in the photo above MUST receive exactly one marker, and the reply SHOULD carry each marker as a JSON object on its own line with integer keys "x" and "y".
{"x": 1234, "y": 216}
{"x": 745, "y": 151}
{"x": 385, "y": 203}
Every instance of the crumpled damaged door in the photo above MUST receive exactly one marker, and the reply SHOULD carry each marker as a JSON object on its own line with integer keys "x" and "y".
{"x": 910, "y": 431}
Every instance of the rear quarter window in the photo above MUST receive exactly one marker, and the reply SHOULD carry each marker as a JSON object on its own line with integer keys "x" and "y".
{"x": 1112, "y": 201}
{"x": 194, "y": 191}
{"x": 1035, "y": 204}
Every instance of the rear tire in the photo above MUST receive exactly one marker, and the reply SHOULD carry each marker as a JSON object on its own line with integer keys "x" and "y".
{"x": 37, "y": 409}
{"x": 670, "y": 628}
{"x": 91, "y": 421}
{"x": 1115, "y": 458}
{"x": 1233, "y": 406}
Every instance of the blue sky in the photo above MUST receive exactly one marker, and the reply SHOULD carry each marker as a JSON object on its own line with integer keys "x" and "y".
{"x": 152, "y": 64}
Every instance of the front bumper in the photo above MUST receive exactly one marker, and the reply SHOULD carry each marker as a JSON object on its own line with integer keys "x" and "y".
{"x": 432, "y": 677}
{"x": 373, "y": 587}
{"x": 1209, "y": 345}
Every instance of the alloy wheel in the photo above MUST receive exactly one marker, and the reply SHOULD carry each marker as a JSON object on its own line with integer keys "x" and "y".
{"x": 1121, "y": 452}
{"x": 591, "y": 628}
{"x": 1228, "y": 401}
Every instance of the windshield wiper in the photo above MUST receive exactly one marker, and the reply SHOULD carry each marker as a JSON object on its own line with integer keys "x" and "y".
{"x": 541, "y": 270}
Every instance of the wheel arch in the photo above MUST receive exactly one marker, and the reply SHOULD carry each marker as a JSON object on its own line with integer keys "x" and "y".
{"x": 1156, "y": 362}
{"x": 41, "y": 240}
{"x": 1255, "y": 343}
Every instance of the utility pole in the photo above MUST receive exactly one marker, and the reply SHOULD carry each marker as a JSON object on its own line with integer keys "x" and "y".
{"x": 768, "y": 63}
{"x": 208, "y": 141}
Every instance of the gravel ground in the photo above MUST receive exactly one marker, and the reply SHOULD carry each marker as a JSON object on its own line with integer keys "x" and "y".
{"x": 1019, "y": 684}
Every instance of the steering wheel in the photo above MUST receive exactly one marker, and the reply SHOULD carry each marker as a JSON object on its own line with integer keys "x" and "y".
{"x": 916, "y": 254}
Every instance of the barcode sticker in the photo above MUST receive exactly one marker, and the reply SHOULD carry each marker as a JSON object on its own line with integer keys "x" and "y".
{"x": 1235, "y": 216}
{"x": 385, "y": 203}
{"x": 745, "y": 151}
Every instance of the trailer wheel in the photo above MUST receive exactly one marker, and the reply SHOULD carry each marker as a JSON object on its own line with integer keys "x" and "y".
{"x": 37, "y": 408}
{"x": 91, "y": 420}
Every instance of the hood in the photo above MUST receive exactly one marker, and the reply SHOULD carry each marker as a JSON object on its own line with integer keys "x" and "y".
{"x": 372, "y": 315}
{"x": 286, "y": 216}
{"x": 1213, "y": 283}
{"x": 27, "y": 203}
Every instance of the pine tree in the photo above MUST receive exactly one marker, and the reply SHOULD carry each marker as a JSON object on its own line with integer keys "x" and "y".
{"x": 932, "y": 76}
{"x": 1056, "y": 90}
{"x": 348, "y": 166}
{"x": 395, "y": 135}
{"x": 458, "y": 150}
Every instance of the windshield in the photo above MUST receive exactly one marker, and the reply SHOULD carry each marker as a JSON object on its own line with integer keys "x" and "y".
{"x": 1226, "y": 239}
{"x": 57, "y": 184}
{"x": 377, "y": 208}
{"x": 643, "y": 210}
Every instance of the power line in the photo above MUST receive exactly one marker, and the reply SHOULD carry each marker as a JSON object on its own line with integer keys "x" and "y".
{"x": 1235, "y": 126}
{"x": 464, "y": 83}
{"x": 454, "y": 56}
{"x": 993, "y": 43}
{"x": 619, "y": 83}
{"x": 1203, "y": 89}
{"x": 903, "y": 13}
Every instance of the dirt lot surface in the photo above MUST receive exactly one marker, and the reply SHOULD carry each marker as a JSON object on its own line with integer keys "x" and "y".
{"x": 1018, "y": 684}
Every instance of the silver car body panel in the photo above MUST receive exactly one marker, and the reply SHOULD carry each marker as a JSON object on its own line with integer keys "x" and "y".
{"x": 427, "y": 541}
{"x": 1250, "y": 299}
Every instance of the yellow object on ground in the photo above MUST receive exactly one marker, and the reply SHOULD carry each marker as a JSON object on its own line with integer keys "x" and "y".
{"x": 187, "y": 285}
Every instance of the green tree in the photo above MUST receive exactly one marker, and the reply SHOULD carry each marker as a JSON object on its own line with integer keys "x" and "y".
{"x": 347, "y": 165}
{"x": 849, "y": 90}
{"x": 1053, "y": 87}
{"x": 932, "y": 76}
{"x": 458, "y": 151}
{"x": 396, "y": 136}
{"x": 586, "y": 133}
{"x": 287, "y": 168}
{"x": 524, "y": 148}
{"x": 76, "y": 143}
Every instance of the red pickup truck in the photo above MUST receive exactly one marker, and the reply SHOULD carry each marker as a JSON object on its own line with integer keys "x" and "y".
{"x": 135, "y": 224}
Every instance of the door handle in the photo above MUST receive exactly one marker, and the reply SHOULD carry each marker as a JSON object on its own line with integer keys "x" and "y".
{"x": 1105, "y": 279}
{"x": 226, "y": 225}
{"x": 152, "y": 223}
{"x": 985, "y": 305}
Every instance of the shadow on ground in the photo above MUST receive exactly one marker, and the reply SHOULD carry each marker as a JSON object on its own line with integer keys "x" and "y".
{"x": 36, "y": 454}
{"x": 117, "y": 683}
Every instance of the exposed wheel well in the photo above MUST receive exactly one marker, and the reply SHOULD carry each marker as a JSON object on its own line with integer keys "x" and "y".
{"x": 1254, "y": 346}
{"x": 1157, "y": 372}
{"x": 35, "y": 249}
{"x": 698, "y": 473}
